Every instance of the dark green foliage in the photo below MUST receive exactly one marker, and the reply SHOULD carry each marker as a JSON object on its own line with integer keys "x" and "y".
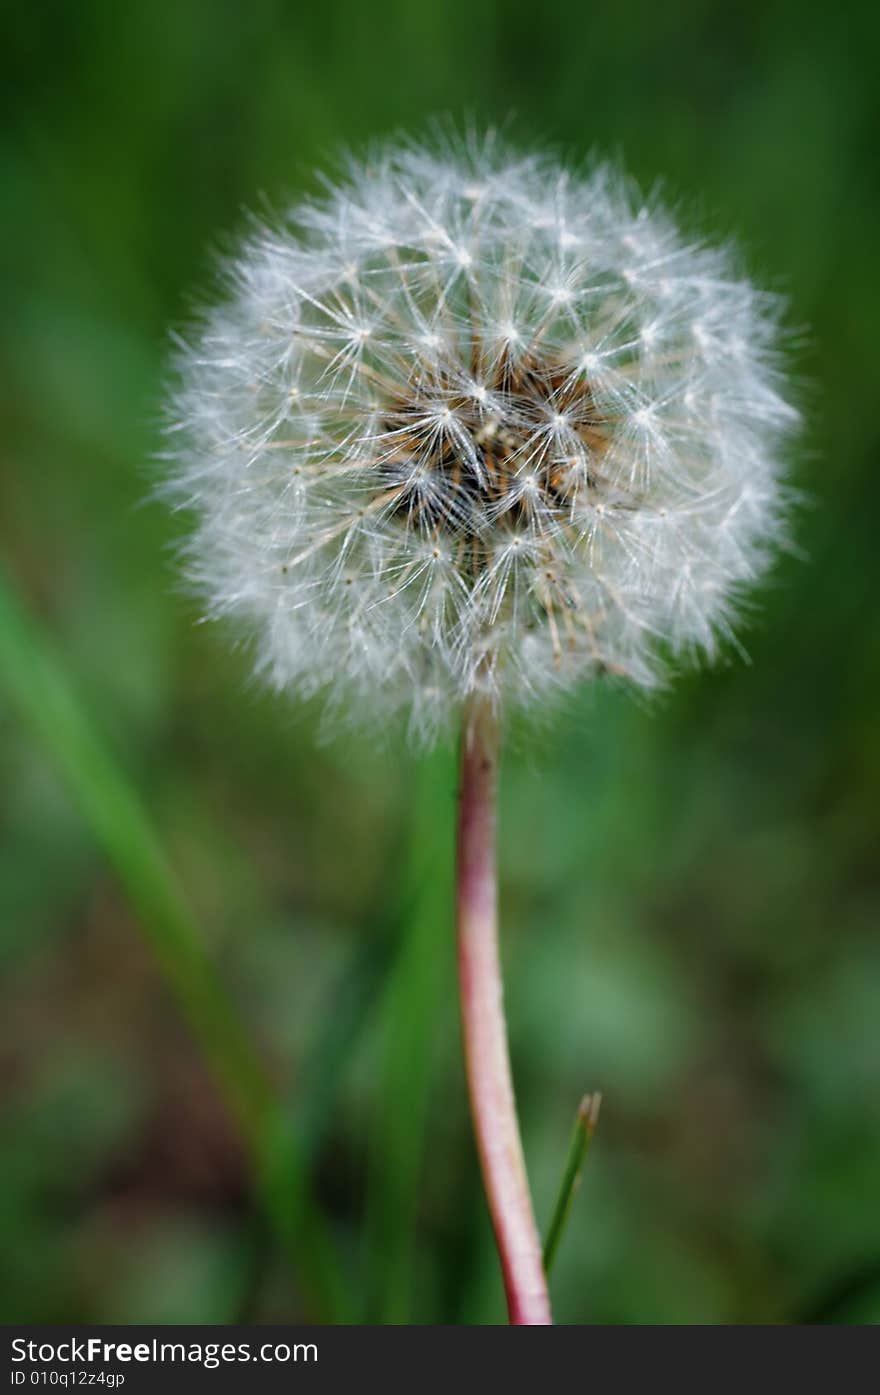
{"x": 689, "y": 892}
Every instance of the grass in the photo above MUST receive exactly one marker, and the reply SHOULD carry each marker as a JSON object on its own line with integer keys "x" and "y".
{"x": 46, "y": 699}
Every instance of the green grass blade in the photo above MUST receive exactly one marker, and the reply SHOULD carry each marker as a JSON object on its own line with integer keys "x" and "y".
{"x": 420, "y": 988}
{"x": 351, "y": 1000}
{"x": 39, "y": 688}
{"x": 581, "y": 1138}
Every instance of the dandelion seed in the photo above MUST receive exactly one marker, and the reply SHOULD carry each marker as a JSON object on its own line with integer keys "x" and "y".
{"x": 435, "y": 336}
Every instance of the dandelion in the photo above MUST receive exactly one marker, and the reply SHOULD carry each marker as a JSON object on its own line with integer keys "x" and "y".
{"x": 468, "y": 431}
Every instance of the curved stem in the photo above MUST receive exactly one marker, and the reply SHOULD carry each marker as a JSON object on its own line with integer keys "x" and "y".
{"x": 485, "y": 1037}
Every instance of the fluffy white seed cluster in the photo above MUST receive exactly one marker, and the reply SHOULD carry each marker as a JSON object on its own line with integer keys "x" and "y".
{"x": 470, "y": 422}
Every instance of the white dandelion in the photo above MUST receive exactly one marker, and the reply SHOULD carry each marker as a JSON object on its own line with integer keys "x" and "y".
{"x": 471, "y": 424}
{"x": 468, "y": 431}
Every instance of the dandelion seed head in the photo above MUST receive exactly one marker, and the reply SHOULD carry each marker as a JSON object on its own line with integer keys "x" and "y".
{"x": 473, "y": 423}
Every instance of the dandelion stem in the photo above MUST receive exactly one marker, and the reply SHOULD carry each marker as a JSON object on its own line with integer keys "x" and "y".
{"x": 485, "y": 1036}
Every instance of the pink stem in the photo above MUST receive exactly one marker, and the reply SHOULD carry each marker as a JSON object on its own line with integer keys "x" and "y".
{"x": 485, "y": 1036}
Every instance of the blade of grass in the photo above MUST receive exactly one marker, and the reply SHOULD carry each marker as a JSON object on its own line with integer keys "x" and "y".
{"x": 350, "y": 1002}
{"x": 581, "y": 1138}
{"x": 420, "y": 983}
{"x": 40, "y": 689}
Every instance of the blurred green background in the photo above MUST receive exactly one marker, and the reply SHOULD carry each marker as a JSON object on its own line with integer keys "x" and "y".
{"x": 689, "y": 889}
